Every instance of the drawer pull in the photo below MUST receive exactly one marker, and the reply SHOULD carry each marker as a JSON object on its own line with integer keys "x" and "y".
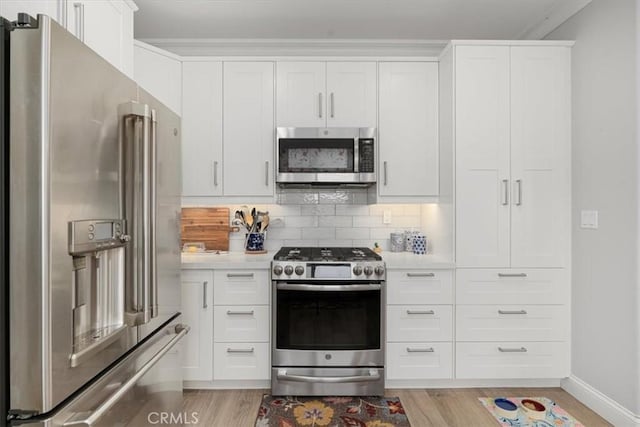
{"x": 421, "y": 312}
{"x": 512, "y": 350}
{"x": 420, "y": 350}
{"x": 240, "y": 313}
{"x": 421, "y": 274}
{"x": 512, "y": 275}
{"x": 236, "y": 275}
{"x": 240, "y": 350}
{"x": 512, "y": 311}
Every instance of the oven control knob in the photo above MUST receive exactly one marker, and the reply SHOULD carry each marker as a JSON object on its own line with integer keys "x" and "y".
{"x": 277, "y": 270}
{"x": 299, "y": 270}
{"x": 288, "y": 270}
{"x": 357, "y": 270}
{"x": 368, "y": 270}
{"x": 379, "y": 270}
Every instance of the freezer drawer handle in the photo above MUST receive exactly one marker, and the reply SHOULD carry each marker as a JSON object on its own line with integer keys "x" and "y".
{"x": 374, "y": 375}
{"x": 90, "y": 418}
{"x": 512, "y": 275}
{"x": 512, "y": 350}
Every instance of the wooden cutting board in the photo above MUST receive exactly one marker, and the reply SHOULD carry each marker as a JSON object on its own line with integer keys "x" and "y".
{"x": 208, "y": 225}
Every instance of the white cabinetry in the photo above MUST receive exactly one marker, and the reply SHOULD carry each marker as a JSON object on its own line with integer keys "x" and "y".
{"x": 202, "y": 128}
{"x": 419, "y": 324}
{"x": 248, "y": 128}
{"x": 160, "y": 73}
{"x": 331, "y": 94}
{"x": 512, "y": 128}
{"x": 106, "y": 26}
{"x": 408, "y": 129}
{"x": 197, "y": 312}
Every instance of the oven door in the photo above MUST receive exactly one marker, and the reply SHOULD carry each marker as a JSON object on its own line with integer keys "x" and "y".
{"x": 328, "y": 324}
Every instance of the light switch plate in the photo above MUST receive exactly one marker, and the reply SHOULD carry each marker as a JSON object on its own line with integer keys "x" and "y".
{"x": 589, "y": 219}
{"x": 386, "y": 217}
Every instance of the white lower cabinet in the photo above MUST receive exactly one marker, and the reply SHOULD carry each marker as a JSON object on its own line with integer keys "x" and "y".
{"x": 415, "y": 323}
{"x": 242, "y": 361}
{"x": 197, "y": 312}
{"x": 241, "y": 323}
{"x": 419, "y": 360}
{"x": 517, "y": 359}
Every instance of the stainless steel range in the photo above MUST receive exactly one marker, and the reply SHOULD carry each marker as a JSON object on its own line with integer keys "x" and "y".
{"x": 328, "y": 322}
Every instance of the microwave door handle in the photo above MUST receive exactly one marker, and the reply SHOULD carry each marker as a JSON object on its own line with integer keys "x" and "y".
{"x": 356, "y": 155}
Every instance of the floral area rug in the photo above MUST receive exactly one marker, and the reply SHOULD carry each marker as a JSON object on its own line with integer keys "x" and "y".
{"x": 331, "y": 412}
{"x": 555, "y": 415}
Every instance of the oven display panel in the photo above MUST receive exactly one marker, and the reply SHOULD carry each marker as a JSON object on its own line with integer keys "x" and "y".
{"x": 331, "y": 271}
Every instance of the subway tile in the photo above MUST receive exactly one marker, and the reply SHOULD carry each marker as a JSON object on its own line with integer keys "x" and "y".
{"x": 406, "y": 221}
{"x": 352, "y": 233}
{"x": 285, "y": 233}
{"x": 368, "y": 221}
{"x": 301, "y": 242}
{"x": 284, "y": 210}
{"x": 334, "y": 197}
{"x": 412, "y": 210}
{"x": 383, "y": 233}
{"x": 332, "y": 243}
{"x": 319, "y": 233}
{"x": 318, "y": 210}
{"x": 298, "y": 198}
{"x": 273, "y": 244}
{"x": 335, "y": 221}
{"x": 301, "y": 221}
{"x": 354, "y": 210}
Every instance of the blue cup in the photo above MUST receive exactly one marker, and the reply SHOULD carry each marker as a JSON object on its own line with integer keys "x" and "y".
{"x": 255, "y": 242}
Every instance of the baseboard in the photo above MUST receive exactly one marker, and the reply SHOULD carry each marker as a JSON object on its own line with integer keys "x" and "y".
{"x": 459, "y": 383}
{"x": 604, "y": 406}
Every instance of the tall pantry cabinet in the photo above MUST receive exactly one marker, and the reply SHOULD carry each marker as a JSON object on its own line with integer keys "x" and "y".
{"x": 507, "y": 109}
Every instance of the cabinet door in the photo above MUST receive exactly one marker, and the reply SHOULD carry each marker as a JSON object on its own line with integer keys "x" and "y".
{"x": 301, "y": 96}
{"x": 482, "y": 156}
{"x": 351, "y": 94}
{"x": 160, "y": 74}
{"x": 540, "y": 156}
{"x": 408, "y": 131}
{"x": 202, "y": 128}
{"x": 197, "y": 310}
{"x": 249, "y": 130}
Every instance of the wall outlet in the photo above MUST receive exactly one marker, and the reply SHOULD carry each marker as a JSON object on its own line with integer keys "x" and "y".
{"x": 589, "y": 220}
{"x": 386, "y": 217}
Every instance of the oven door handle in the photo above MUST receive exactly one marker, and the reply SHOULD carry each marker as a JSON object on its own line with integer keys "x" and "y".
{"x": 374, "y": 375}
{"x": 329, "y": 288}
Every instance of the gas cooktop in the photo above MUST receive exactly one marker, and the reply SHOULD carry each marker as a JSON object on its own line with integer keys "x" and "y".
{"x": 326, "y": 254}
{"x": 317, "y": 263}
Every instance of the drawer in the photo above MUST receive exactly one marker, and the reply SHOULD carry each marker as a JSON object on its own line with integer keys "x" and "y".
{"x": 511, "y": 323}
{"x": 420, "y": 287}
{"x": 512, "y": 360}
{"x": 409, "y": 361}
{"x": 510, "y": 286}
{"x": 241, "y": 287}
{"x": 241, "y": 361}
{"x": 419, "y": 323}
{"x": 241, "y": 323}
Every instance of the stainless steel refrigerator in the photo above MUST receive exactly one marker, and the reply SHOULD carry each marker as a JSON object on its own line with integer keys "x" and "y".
{"x": 90, "y": 175}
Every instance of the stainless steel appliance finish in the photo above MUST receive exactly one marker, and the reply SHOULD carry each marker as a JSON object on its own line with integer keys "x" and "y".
{"x": 326, "y": 156}
{"x": 328, "y": 322}
{"x": 94, "y": 194}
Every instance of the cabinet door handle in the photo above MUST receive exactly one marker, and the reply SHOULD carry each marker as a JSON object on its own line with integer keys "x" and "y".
{"x": 385, "y": 172}
{"x": 266, "y": 173}
{"x": 421, "y": 274}
{"x": 78, "y": 9}
{"x": 205, "y": 285}
{"x": 333, "y": 105}
{"x": 505, "y": 194}
{"x": 421, "y": 312}
{"x": 512, "y": 350}
{"x": 236, "y": 275}
{"x": 240, "y": 350}
{"x": 512, "y": 311}
{"x": 420, "y": 350}
{"x": 519, "y": 192}
{"x": 320, "y": 105}
{"x": 240, "y": 313}
{"x": 512, "y": 275}
{"x": 215, "y": 174}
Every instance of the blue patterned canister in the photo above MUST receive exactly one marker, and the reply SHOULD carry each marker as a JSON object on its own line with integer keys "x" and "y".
{"x": 420, "y": 244}
{"x": 408, "y": 240}
{"x": 255, "y": 242}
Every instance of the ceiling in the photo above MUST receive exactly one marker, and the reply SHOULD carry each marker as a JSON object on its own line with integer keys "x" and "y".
{"x": 348, "y": 19}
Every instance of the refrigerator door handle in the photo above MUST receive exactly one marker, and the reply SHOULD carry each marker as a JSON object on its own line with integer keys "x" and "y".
{"x": 91, "y": 417}
{"x": 153, "y": 181}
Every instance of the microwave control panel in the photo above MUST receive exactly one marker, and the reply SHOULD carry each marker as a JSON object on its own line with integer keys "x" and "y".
{"x": 366, "y": 155}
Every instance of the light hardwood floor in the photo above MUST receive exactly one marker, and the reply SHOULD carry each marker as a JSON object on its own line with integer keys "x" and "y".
{"x": 425, "y": 408}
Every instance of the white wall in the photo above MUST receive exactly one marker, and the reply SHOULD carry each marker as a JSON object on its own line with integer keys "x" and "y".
{"x": 605, "y": 348}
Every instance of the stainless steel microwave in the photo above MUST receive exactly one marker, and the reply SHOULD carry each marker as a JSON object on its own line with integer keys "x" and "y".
{"x": 326, "y": 156}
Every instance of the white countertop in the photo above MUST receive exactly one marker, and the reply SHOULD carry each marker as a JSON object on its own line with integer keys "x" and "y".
{"x": 240, "y": 260}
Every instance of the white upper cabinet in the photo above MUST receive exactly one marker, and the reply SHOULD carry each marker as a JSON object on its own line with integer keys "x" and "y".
{"x": 249, "y": 128}
{"x": 540, "y": 155}
{"x": 301, "y": 100}
{"x": 159, "y": 73}
{"x": 106, "y": 26}
{"x": 331, "y": 94}
{"x": 351, "y": 94}
{"x": 408, "y": 129}
{"x": 512, "y": 127}
{"x": 482, "y": 155}
{"x": 202, "y": 128}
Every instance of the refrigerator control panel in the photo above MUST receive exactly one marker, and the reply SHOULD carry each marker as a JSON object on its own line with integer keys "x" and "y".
{"x": 96, "y": 235}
